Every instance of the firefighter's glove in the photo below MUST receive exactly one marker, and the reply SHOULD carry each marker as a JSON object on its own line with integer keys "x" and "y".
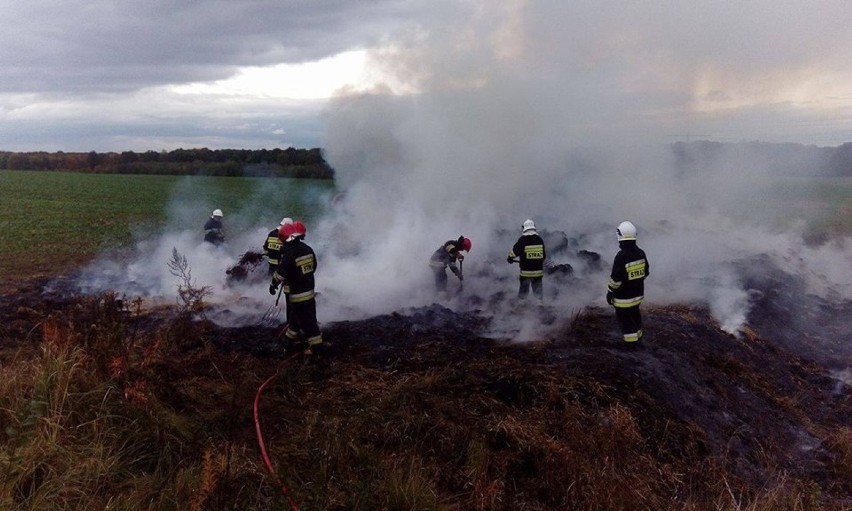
{"x": 460, "y": 256}
{"x": 510, "y": 259}
{"x": 273, "y": 289}
{"x": 609, "y": 297}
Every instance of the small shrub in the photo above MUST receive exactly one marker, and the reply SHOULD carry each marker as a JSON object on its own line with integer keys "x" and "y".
{"x": 190, "y": 297}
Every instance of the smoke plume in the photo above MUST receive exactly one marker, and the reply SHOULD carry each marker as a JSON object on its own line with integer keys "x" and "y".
{"x": 493, "y": 116}
{"x": 560, "y": 112}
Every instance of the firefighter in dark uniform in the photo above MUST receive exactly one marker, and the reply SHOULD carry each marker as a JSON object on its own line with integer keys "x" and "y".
{"x": 272, "y": 246}
{"x": 626, "y": 287}
{"x": 296, "y": 266}
{"x": 445, "y": 257}
{"x": 214, "y": 232}
{"x": 529, "y": 253}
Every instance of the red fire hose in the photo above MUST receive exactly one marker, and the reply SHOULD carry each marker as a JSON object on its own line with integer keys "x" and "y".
{"x": 262, "y": 445}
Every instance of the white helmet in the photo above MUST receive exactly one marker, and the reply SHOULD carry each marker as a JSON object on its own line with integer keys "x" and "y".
{"x": 529, "y": 225}
{"x": 626, "y": 231}
{"x": 217, "y": 212}
{"x": 286, "y": 220}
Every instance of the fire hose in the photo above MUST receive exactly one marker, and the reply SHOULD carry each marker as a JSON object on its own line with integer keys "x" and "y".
{"x": 262, "y": 445}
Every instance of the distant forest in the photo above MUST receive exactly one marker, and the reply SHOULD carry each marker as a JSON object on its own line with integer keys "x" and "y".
{"x": 290, "y": 162}
{"x": 779, "y": 159}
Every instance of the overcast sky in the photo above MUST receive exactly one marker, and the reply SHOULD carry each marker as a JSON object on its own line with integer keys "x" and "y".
{"x": 111, "y": 75}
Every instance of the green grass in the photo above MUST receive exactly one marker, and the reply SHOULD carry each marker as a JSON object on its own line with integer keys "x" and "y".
{"x": 821, "y": 206}
{"x": 825, "y": 204}
{"x": 50, "y": 217}
{"x": 54, "y": 221}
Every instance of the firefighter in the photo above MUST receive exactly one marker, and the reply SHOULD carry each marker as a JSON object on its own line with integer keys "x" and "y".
{"x": 529, "y": 253}
{"x": 272, "y": 246}
{"x": 296, "y": 267}
{"x": 445, "y": 257}
{"x": 626, "y": 287}
{"x": 214, "y": 232}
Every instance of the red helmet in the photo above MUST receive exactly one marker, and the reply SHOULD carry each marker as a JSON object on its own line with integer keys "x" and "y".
{"x": 300, "y": 227}
{"x": 466, "y": 244}
{"x": 285, "y": 231}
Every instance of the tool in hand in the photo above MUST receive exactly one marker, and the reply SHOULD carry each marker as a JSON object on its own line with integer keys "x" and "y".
{"x": 270, "y": 318}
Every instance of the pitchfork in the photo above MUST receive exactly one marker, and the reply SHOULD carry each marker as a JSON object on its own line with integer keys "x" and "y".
{"x": 270, "y": 318}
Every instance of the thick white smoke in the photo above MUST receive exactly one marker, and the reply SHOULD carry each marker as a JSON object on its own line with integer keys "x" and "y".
{"x": 522, "y": 111}
{"x": 144, "y": 269}
{"x": 562, "y": 112}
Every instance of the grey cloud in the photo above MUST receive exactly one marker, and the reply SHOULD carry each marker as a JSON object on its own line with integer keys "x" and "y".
{"x": 108, "y": 45}
{"x": 580, "y": 71}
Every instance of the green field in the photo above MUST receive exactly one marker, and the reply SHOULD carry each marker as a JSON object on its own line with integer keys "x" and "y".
{"x": 54, "y": 221}
{"x": 824, "y": 203}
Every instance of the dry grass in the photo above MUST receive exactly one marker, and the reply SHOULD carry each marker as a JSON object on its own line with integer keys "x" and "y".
{"x": 105, "y": 415}
{"x": 841, "y": 444}
{"x": 81, "y": 430}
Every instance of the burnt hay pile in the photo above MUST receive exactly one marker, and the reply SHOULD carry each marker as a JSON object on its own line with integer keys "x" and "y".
{"x": 244, "y": 267}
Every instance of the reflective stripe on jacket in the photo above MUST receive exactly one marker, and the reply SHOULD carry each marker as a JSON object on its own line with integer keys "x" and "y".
{"x": 272, "y": 247}
{"x": 630, "y": 268}
{"x": 296, "y": 266}
{"x": 446, "y": 255}
{"x": 530, "y": 250}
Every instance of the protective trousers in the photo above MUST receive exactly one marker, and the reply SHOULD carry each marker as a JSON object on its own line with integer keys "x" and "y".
{"x": 535, "y": 283}
{"x": 302, "y": 320}
{"x": 440, "y": 278}
{"x": 630, "y": 321}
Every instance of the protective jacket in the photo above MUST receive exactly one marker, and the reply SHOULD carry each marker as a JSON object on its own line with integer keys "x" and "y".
{"x": 627, "y": 281}
{"x": 272, "y": 247}
{"x": 296, "y": 266}
{"x": 447, "y": 254}
{"x": 213, "y": 231}
{"x": 530, "y": 250}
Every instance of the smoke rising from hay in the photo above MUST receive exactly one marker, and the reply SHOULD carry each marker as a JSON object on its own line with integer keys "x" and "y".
{"x": 563, "y": 113}
{"x": 524, "y": 111}
{"x": 143, "y": 269}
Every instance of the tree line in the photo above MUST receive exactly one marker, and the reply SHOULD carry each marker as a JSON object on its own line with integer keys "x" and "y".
{"x": 784, "y": 159}
{"x": 290, "y": 162}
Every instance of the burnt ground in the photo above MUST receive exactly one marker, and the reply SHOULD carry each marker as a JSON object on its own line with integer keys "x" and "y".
{"x": 768, "y": 402}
